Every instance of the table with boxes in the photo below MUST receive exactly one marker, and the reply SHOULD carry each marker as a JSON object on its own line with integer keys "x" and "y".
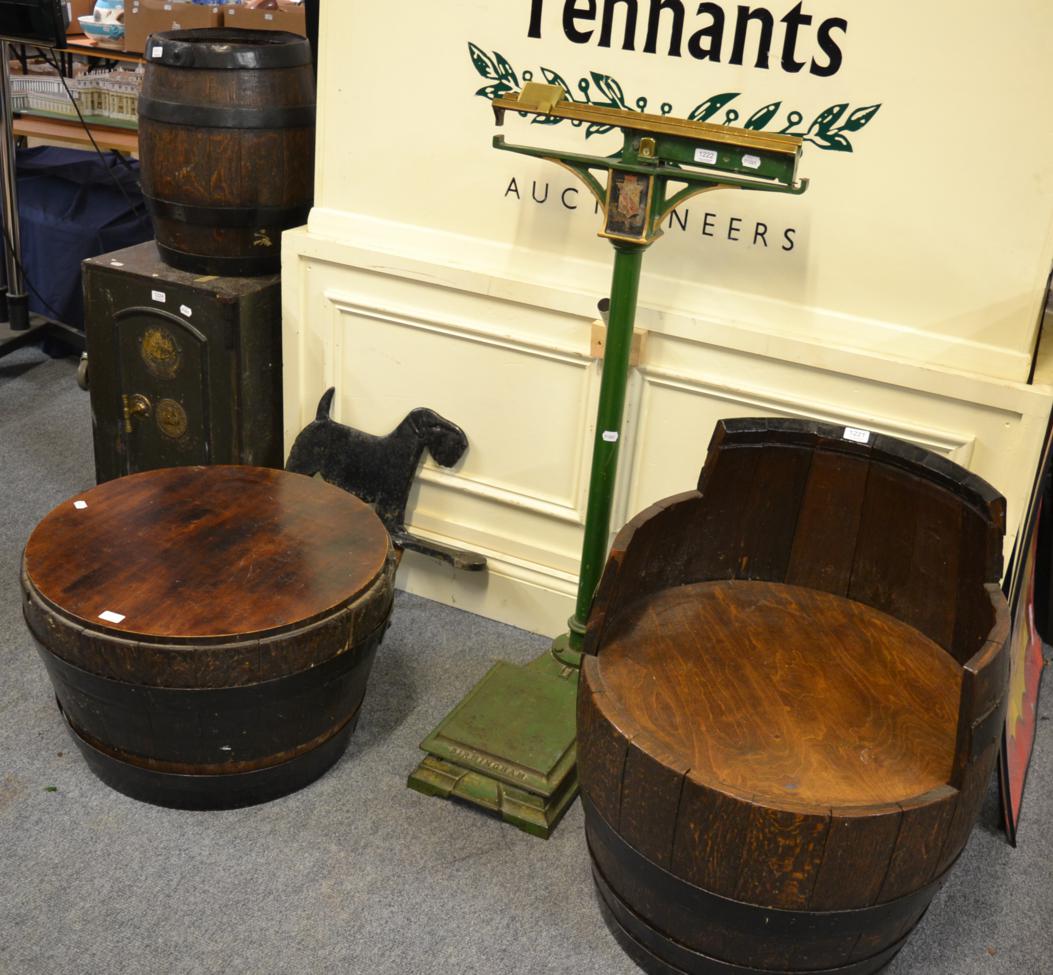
{"x": 145, "y": 17}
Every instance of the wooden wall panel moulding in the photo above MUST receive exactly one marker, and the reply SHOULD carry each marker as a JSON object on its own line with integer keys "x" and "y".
{"x": 725, "y": 319}
{"x": 340, "y": 299}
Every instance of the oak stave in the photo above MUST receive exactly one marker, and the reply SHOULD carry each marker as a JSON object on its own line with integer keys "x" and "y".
{"x": 226, "y": 137}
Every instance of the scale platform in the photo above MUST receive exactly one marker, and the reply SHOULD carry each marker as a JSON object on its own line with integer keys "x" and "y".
{"x": 509, "y": 746}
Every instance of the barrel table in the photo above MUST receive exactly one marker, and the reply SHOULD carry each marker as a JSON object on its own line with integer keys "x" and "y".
{"x": 209, "y": 631}
{"x": 791, "y": 701}
{"x": 226, "y": 140}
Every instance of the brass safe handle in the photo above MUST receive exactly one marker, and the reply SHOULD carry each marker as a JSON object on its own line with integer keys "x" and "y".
{"x": 135, "y": 405}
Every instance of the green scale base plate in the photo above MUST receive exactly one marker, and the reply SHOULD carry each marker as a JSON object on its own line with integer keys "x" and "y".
{"x": 510, "y": 745}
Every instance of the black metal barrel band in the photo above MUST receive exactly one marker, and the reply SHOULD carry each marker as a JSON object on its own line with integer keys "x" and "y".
{"x": 229, "y": 117}
{"x": 178, "y": 730}
{"x": 277, "y": 758}
{"x": 230, "y": 50}
{"x": 111, "y": 690}
{"x": 268, "y": 262}
{"x": 248, "y": 217}
{"x": 607, "y": 847}
{"x": 658, "y": 954}
{"x": 217, "y": 791}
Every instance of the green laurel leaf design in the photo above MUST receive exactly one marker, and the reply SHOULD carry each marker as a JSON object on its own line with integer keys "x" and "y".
{"x": 762, "y": 116}
{"x": 827, "y": 130}
{"x": 483, "y": 62}
{"x": 505, "y": 71}
{"x": 711, "y": 106}
{"x": 859, "y": 118}
{"x": 494, "y": 91}
{"x": 610, "y": 88}
{"x": 830, "y": 140}
{"x": 827, "y": 119}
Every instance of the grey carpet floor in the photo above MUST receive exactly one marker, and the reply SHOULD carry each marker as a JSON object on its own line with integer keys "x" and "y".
{"x": 355, "y": 874}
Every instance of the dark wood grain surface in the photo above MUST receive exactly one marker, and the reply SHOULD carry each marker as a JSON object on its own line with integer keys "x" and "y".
{"x": 266, "y": 166}
{"x": 206, "y": 553}
{"x": 788, "y": 693}
{"x": 244, "y": 167}
{"x": 888, "y": 524}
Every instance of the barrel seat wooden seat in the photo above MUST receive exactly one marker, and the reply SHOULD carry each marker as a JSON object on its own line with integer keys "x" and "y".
{"x": 790, "y": 702}
{"x": 209, "y": 631}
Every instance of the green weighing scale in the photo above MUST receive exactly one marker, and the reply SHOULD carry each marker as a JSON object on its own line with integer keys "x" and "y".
{"x": 510, "y": 745}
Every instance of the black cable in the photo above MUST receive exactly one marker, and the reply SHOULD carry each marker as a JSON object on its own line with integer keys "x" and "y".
{"x": 134, "y": 208}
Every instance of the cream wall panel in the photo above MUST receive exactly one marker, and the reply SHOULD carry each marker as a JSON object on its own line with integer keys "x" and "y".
{"x": 993, "y": 428}
{"x": 519, "y": 493}
{"x": 908, "y": 302}
{"x": 510, "y": 363}
{"x": 383, "y": 354}
{"x": 699, "y": 301}
{"x": 929, "y": 241}
{"x": 678, "y": 415}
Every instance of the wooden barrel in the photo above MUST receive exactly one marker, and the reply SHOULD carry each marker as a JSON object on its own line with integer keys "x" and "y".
{"x": 209, "y": 631}
{"x": 790, "y": 703}
{"x": 226, "y": 141}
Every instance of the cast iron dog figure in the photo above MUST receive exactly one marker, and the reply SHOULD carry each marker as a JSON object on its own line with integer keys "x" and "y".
{"x": 380, "y": 470}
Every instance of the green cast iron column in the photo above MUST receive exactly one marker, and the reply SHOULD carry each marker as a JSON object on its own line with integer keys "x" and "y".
{"x": 625, "y": 284}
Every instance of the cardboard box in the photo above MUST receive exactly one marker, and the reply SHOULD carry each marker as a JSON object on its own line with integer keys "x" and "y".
{"x": 145, "y": 17}
{"x": 75, "y": 9}
{"x": 288, "y": 16}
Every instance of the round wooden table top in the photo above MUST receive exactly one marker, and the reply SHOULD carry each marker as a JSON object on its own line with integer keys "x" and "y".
{"x": 788, "y": 694}
{"x": 196, "y": 553}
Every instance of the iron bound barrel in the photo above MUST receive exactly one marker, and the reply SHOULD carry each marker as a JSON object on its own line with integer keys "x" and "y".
{"x": 209, "y": 631}
{"x": 791, "y": 702}
{"x": 226, "y": 140}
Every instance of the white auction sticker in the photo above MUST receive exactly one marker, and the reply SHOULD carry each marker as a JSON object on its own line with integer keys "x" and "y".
{"x": 157, "y": 52}
{"x": 706, "y": 156}
{"x": 80, "y": 505}
{"x": 111, "y": 617}
{"x": 186, "y": 311}
{"x": 159, "y": 296}
{"x": 856, "y": 435}
{"x": 610, "y": 436}
{"x": 751, "y": 162}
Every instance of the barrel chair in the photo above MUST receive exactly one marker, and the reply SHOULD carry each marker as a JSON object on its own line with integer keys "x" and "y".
{"x": 791, "y": 699}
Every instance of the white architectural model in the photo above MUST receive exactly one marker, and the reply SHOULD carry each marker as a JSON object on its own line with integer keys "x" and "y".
{"x": 110, "y": 94}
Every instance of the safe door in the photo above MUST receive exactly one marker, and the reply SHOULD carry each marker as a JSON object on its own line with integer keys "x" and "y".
{"x": 165, "y": 389}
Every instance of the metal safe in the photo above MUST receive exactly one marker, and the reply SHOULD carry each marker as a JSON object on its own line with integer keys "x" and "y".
{"x": 183, "y": 369}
